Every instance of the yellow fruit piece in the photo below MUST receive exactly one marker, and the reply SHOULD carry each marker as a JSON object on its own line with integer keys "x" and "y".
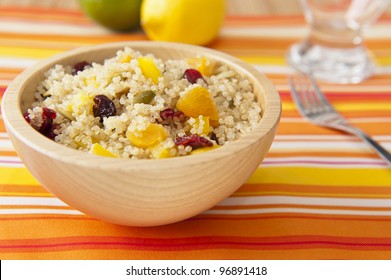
{"x": 149, "y": 68}
{"x": 202, "y": 64}
{"x": 81, "y": 102}
{"x": 152, "y": 135}
{"x": 97, "y": 149}
{"x": 201, "y": 125}
{"x": 91, "y": 82}
{"x": 158, "y": 151}
{"x": 197, "y": 102}
{"x": 125, "y": 58}
{"x": 192, "y": 21}
{"x": 203, "y": 150}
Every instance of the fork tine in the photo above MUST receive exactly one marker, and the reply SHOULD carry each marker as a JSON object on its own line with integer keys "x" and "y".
{"x": 303, "y": 95}
{"x": 306, "y": 92}
{"x": 297, "y": 94}
{"x": 326, "y": 105}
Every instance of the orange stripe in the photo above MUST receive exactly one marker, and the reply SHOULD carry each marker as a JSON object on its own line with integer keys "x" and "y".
{"x": 206, "y": 225}
{"x": 212, "y": 254}
{"x": 22, "y": 188}
{"x": 299, "y": 206}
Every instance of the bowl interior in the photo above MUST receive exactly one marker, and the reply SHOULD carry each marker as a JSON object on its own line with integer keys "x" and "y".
{"x": 23, "y": 88}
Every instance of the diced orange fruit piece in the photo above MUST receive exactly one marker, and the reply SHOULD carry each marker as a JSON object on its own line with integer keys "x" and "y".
{"x": 97, "y": 149}
{"x": 201, "y": 124}
{"x": 152, "y": 135}
{"x": 149, "y": 68}
{"x": 203, "y": 150}
{"x": 202, "y": 64}
{"x": 158, "y": 151}
{"x": 196, "y": 102}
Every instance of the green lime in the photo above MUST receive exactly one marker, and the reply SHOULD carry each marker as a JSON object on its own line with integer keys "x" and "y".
{"x": 118, "y": 15}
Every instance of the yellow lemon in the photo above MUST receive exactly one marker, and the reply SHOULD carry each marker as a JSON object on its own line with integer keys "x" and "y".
{"x": 187, "y": 21}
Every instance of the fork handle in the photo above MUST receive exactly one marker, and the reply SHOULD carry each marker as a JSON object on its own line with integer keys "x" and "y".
{"x": 376, "y": 146}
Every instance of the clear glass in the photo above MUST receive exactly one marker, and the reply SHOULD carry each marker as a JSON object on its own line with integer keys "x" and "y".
{"x": 334, "y": 49}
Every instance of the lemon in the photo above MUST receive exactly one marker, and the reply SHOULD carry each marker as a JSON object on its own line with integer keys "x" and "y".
{"x": 186, "y": 21}
{"x": 116, "y": 15}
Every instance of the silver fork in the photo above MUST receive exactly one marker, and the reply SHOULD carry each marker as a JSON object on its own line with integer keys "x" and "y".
{"x": 314, "y": 106}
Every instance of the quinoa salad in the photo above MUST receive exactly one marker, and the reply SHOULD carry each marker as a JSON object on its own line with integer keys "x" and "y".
{"x": 139, "y": 106}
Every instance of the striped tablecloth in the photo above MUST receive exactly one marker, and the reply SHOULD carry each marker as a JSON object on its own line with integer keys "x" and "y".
{"x": 319, "y": 194}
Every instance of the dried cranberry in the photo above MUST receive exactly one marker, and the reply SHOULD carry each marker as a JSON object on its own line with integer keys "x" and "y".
{"x": 214, "y": 138}
{"x": 103, "y": 107}
{"x": 169, "y": 115}
{"x": 27, "y": 117}
{"x": 49, "y": 113}
{"x": 80, "y": 66}
{"x": 193, "y": 141}
{"x": 193, "y": 75}
{"x": 44, "y": 125}
{"x": 50, "y": 134}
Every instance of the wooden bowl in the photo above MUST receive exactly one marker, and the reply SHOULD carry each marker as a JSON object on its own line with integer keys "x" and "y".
{"x": 139, "y": 192}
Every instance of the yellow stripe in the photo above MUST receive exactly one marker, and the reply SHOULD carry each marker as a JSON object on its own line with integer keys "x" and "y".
{"x": 23, "y": 52}
{"x": 383, "y": 61}
{"x": 353, "y": 107}
{"x": 322, "y": 176}
{"x": 313, "y": 194}
{"x": 26, "y": 194}
{"x": 273, "y": 60}
{"x": 16, "y": 176}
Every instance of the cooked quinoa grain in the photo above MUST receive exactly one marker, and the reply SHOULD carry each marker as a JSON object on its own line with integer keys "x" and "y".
{"x": 139, "y": 106}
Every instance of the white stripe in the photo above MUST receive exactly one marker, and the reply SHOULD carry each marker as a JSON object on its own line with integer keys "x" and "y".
{"x": 39, "y": 211}
{"x": 328, "y": 137}
{"x": 14, "y": 62}
{"x": 6, "y": 145}
{"x": 310, "y": 201}
{"x": 352, "y": 120}
{"x": 298, "y": 210}
{"x": 323, "y": 145}
{"x": 41, "y": 201}
{"x": 10, "y": 159}
{"x": 296, "y": 31}
{"x": 3, "y": 134}
{"x": 9, "y": 26}
{"x": 12, "y": 165}
{"x": 273, "y": 69}
{"x": 333, "y": 162}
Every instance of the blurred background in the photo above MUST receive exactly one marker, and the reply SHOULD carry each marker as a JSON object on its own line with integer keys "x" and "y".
{"x": 252, "y": 7}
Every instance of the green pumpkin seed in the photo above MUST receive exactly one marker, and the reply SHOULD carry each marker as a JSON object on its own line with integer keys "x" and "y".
{"x": 145, "y": 97}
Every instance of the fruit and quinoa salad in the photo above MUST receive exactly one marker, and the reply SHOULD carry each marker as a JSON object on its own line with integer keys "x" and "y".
{"x": 139, "y": 106}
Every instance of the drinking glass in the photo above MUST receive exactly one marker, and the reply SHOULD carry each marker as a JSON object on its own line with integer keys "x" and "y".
{"x": 334, "y": 49}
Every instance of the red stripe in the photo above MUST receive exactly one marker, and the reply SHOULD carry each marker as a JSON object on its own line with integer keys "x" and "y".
{"x": 197, "y": 243}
